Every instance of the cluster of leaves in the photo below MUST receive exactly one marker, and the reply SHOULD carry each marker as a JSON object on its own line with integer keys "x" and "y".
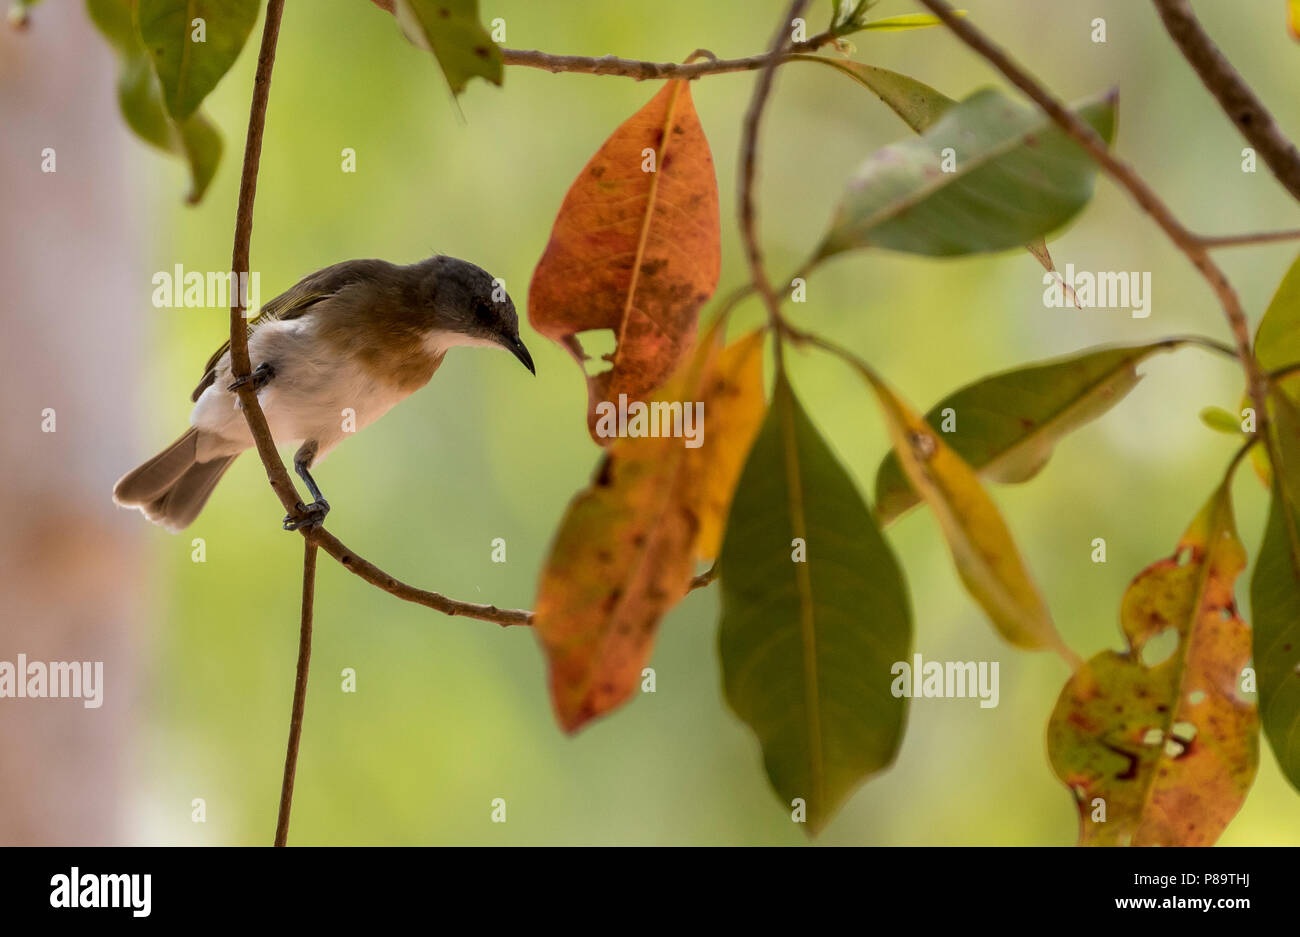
{"x": 172, "y": 53}
{"x": 815, "y": 609}
{"x": 814, "y": 606}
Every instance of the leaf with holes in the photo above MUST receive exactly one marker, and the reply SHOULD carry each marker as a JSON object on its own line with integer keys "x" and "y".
{"x": 814, "y": 615}
{"x": 625, "y": 550}
{"x": 140, "y": 99}
{"x": 452, "y": 31}
{"x": 981, "y": 545}
{"x": 1165, "y": 750}
{"x": 1014, "y": 178}
{"x": 635, "y": 249}
{"x": 1006, "y": 426}
{"x": 192, "y": 44}
{"x": 1275, "y": 599}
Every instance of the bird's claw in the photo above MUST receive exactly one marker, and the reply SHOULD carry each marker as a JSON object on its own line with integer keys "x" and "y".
{"x": 260, "y": 377}
{"x": 309, "y": 515}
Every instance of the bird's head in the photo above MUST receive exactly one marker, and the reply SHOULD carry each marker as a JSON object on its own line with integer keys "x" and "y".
{"x": 465, "y": 305}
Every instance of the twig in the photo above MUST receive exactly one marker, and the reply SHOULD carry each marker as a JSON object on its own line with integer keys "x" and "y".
{"x": 648, "y": 71}
{"x": 377, "y": 577}
{"x": 299, "y": 692}
{"x": 1243, "y": 240}
{"x": 1189, "y": 243}
{"x": 748, "y": 168}
{"x": 1238, "y": 101}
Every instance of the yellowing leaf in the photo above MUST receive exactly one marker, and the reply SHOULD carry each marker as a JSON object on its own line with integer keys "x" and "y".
{"x": 735, "y": 393}
{"x": 636, "y": 249}
{"x": 982, "y": 549}
{"x": 625, "y": 551}
{"x": 1165, "y": 749}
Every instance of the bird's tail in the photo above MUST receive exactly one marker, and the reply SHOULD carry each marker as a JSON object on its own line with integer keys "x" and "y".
{"x": 172, "y": 487}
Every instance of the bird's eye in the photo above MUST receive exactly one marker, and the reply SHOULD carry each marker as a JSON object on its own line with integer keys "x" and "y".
{"x": 483, "y": 311}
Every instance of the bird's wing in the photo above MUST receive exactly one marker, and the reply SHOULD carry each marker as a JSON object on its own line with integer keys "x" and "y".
{"x": 291, "y": 304}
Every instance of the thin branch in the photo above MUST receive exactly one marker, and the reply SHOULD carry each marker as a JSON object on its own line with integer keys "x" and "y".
{"x": 299, "y": 692}
{"x": 1189, "y": 243}
{"x": 276, "y": 473}
{"x": 1238, "y": 101}
{"x": 377, "y": 577}
{"x": 650, "y": 71}
{"x": 749, "y": 167}
{"x": 1243, "y": 240}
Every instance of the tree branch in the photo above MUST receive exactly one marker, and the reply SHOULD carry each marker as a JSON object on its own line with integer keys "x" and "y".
{"x": 1238, "y": 101}
{"x": 648, "y": 71}
{"x": 299, "y": 692}
{"x": 749, "y": 167}
{"x": 395, "y": 587}
{"x": 1192, "y": 246}
{"x": 1243, "y": 240}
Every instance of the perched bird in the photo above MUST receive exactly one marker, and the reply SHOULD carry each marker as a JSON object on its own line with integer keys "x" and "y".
{"x": 331, "y": 355}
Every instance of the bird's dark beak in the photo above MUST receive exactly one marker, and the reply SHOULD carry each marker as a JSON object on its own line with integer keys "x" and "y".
{"x": 516, "y": 347}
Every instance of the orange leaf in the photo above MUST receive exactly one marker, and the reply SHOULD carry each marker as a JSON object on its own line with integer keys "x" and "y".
{"x": 624, "y": 554}
{"x": 633, "y": 251}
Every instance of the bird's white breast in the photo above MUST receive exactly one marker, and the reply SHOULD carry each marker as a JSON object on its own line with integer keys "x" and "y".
{"x": 316, "y": 394}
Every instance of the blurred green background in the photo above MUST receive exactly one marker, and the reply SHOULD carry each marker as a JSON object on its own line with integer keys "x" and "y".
{"x": 450, "y": 714}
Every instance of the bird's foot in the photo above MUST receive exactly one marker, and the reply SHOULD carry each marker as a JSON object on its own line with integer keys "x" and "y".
{"x": 309, "y": 515}
{"x": 260, "y": 377}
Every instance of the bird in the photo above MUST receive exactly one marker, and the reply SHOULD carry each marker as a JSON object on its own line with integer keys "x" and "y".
{"x": 331, "y": 355}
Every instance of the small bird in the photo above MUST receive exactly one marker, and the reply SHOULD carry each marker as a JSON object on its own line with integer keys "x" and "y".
{"x": 331, "y": 355}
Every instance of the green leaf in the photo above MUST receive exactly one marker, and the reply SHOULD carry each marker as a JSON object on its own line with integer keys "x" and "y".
{"x": 1277, "y": 342}
{"x": 915, "y": 102}
{"x": 919, "y": 106}
{"x": 1016, "y": 178}
{"x": 139, "y": 96}
{"x": 1275, "y": 599}
{"x": 187, "y": 68}
{"x": 807, "y": 647}
{"x": 1221, "y": 421}
{"x": 981, "y": 545}
{"x": 451, "y": 30}
{"x": 905, "y": 21}
{"x": 1006, "y": 426}
{"x": 1165, "y": 740}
